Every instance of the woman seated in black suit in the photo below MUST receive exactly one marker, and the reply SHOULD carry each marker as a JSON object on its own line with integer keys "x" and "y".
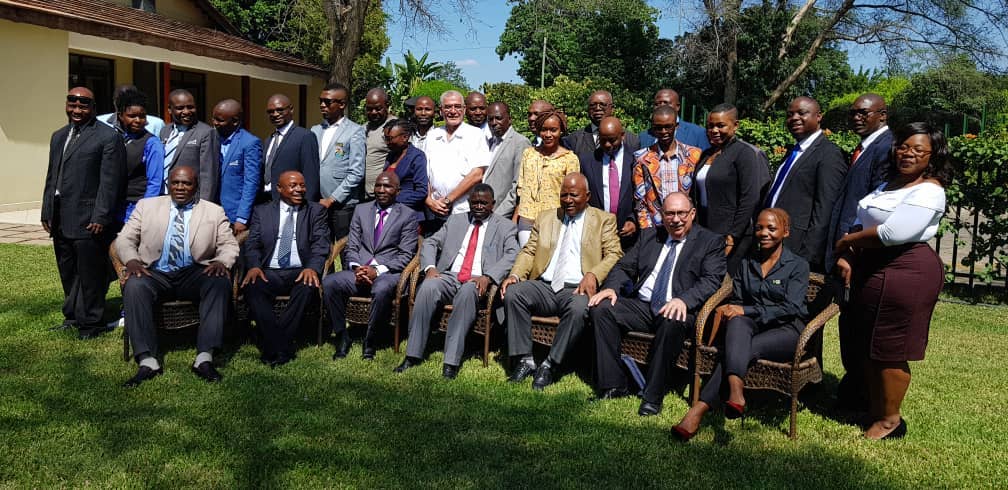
{"x": 765, "y": 318}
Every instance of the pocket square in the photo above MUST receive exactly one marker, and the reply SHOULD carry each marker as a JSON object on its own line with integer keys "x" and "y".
{"x": 192, "y": 143}
{"x": 233, "y": 164}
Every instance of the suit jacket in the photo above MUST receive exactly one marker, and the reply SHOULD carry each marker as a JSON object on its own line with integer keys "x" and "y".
{"x": 869, "y": 172}
{"x": 698, "y": 272}
{"x": 397, "y": 244}
{"x": 500, "y": 245}
{"x": 198, "y": 147}
{"x": 808, "y": 194}
{"x": 297, "y": 151}
{"x": 600, "y": 246}
{"x": 311, "y": 233}
{"x": 210, "y": 236}
{"x": 240, "y": 175}
{"x": 591, "y": 167}
{"x": 502, "y": 174}
{"x": 90, "y": 176}
{"x": 413, "y": 183}
{"x": 687, "y": 133}
{"x": 341, "y": 171}
{"x": 582, "y": 143}
{"x": 736, "y": 185}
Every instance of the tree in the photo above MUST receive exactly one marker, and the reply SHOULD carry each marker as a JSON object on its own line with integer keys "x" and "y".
{"x": 451, "y": 73}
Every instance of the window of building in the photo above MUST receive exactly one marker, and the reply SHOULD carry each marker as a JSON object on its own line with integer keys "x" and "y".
{"x": 145, "y": 5}
{"x": 97, "y": 74}
{"x": 195, "y": 83}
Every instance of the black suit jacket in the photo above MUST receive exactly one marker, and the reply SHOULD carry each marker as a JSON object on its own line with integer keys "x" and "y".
{"x": 297, "y": 151}
{"x": 699, "y": 269}
{"x": 808, "y": 195}
{"x": 90, "y": 176}
{"x": 736, "y": 185}
{"x": 312, "y": 234}
{"x": 591, "y": 167}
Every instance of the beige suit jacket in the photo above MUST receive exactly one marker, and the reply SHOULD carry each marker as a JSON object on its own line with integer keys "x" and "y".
{"x": 600, "y": 245}
{"x": 210, "y": 236}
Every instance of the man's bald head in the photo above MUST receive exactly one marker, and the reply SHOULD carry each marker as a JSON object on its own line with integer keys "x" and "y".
{"x": 476, "y": 108}
{"x": 80, "y": 105}
{"x": 377, "y": 95}
{"x": 610, "y": 134}
{"x": 226, "y": 116}
{"x": 666, "y": 97}
{"x": 867, "y": 114}
{"x": 574, "y": 194}
{"x": 376, "y": 107}
{"x": 279, "y": 110}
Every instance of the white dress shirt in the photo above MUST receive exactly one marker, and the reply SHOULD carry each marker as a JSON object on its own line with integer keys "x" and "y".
{"x": 295, "y": 259}
{"x": 269, "y": 145}
{"x": 328, "y": 134}
{"x": 572, "y": 266}
{"x": 801, "y": 148}
{"x": 477, "y": 269}
{"x": 606, "y": 161}
{"x": 449, "y": 160}
{"x": 649, "y": 284}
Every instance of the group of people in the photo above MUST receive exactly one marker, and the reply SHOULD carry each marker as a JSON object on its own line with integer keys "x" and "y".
{"x": 607, "y": 230}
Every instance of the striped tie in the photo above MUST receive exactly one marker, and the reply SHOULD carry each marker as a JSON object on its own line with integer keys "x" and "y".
{"x": 176, "y": 250}
{"x": 170, "y": 145}
{"x": 286, "y": 238}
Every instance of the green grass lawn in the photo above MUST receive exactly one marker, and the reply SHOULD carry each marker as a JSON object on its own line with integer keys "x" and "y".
{"x": 65, "y": 421}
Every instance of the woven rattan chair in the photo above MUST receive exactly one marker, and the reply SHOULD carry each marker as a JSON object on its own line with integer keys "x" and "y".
{"x": 359, "y": 307}
{"x": 634, "y": 344}
{"x": 788, "y": 378}
{"x": 313, "y": 315}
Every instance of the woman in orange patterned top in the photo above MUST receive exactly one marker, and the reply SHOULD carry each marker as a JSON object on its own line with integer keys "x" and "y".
{"x": 542, "y": 170}
{"x": 663, "y": 168}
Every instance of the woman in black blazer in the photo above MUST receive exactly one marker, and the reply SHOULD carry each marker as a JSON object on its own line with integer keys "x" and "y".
{"x": 731, "y": 179}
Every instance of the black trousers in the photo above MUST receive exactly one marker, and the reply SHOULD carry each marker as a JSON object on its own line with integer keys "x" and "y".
{"x": 278, "y": 333}
{"x": 632, "y": 314}
{"x": 744, "y": 344}
{"x": 339, "y": 221}
{"x": 83, "y": 266}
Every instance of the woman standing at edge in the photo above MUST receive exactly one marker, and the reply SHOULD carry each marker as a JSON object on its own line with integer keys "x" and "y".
{"x": 895, "y": 277}
{"x": 542, "y": 171}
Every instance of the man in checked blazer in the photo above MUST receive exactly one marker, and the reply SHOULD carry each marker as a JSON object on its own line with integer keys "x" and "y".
{"x": 506, "y": 148}
{"x": 342, "y": 149}
{"x": 192, "y": 143}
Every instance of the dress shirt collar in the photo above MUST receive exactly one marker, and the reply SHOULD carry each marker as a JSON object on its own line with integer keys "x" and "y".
{"x": 284, "y": 207}
{"x": 230, "y": 137}
{"x": 284, "y": 129}
{"x": 181, "y": 128}
{"x": 756, "y": 267}
{"x": 326, "y": 125}
{"x": 872, "y": 137}
{"x": 187, "y": 205}
{"x": 806, "y": 143}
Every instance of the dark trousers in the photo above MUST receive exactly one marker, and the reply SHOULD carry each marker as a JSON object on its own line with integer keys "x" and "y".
{"x": 852, "y": 391}
{"x": 339, "y": 287}
{"x": 744, "y": 344}
{"x": 631, "y": 314}
{"x": 339, "y": 221}
{"x": 140, "y": 294}
{"x": 83, "y": 266}
{"x": 278, "y": 333}
{"x": 535, "y": 297}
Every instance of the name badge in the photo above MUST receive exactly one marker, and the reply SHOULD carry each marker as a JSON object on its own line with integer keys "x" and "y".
{"x": 339, "y": 149}
{"x": 776, "y": 282}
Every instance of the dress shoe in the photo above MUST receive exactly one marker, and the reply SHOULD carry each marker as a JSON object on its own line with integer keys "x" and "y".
{"x": 207, "y": 372}
{"x": 682, "y": 434}
{"x": 648, "y": 409}
{"x": 733, "y": 410}
{"x": 612, "y": 394}
{"x": 92, "y": 332}
{"x": 899, "y": 432}
{"x": 523, "y": 371}
{"x": 406, "y": 364}
{"x": 543, "y": 378}
{"x": 344, "y": 346}
{"x": 369, "y": 354}
{"x": 63, "y": 326}
{"x": 449, "y": 372}
{"x": 144, "y": 373}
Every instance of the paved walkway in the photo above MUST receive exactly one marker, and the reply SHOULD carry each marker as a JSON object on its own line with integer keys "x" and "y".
{"x": 23, "y": 227}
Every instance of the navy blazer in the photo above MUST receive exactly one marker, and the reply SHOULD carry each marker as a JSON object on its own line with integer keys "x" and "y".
{"x": 239, "y": 180}
{"x": 687, "y": 133}
{"x": 397, "y": 244}
{"x": 412, "y": 173}
{"x": 297, "y": 151}
{"x": 591, "y": 167}
{"x": 311, "y": 233}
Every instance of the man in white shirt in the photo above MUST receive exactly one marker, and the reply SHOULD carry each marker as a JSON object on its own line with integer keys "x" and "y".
{"x": 341, "y": 159}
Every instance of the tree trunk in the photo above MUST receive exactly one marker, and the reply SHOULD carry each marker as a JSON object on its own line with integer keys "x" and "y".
{"x": 731, "y": 60}
{"x": 346, "y": 26}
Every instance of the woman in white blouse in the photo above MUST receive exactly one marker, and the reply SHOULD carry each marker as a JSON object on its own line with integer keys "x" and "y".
{"x": 894, "y": 276}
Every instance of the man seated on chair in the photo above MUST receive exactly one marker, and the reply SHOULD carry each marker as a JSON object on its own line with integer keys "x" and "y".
{"x": 382, "y": 241}
{"x": 460, "y": 261}
{"x": 176, "y": 246}
{"x": 568, "y": 255}
{"x": 287, "y": 246}
{"x": 674, "y": 269}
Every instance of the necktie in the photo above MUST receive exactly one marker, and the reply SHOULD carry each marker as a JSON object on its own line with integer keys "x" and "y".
{"x": 559, "y": 274}
{"x": 176, "y": 245}
{"x": 286, "y": 239}
{"x": 613, "y": 185}
{"x": 490, "y": 142}
{"x": 170, "y": 145}
{"x": 74, "y": 131}
{"x": 270, "y": 155}
{"x": 378, "y": 226}
{"x": 465, "y": 273}
{"x": 854, "y": 156}
{"x": 779, "y": 181}
{"x": 660, "y": 290}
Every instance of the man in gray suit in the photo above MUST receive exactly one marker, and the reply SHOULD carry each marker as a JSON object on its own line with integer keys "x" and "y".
{"x": 452, "y": 272}
{"x": 193, "y": 143}
{"x": 506, "y": 149}
{"x": 341, "y": 155}
{"x": 382, "y": 240}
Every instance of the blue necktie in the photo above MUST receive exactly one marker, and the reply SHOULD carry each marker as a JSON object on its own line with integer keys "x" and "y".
{"x": 176, "y": 250}
{"x": 660, "y": 289}
{"x": 781, "y": 174}
{"x": 286, "y": 238}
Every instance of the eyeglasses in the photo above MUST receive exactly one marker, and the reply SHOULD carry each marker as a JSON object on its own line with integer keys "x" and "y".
{"x": 679, "y": 214}
{"x": 80, "y": 99}
{"x": 916, "y": 150}
{"x": 861, "y": 113}
{"x": 278, "y": 110}
{"x": 330, "y": 101}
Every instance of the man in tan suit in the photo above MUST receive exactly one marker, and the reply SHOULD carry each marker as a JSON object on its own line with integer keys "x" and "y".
{"x": 569, "y": 254}
{"x": 176, "y": 246}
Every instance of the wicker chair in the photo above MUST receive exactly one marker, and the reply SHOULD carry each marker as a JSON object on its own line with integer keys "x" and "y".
{"x": 788, "y": 378}
{"x": 359, "y": 307}
{"x": 634, "y": 344}
{"x": 314, "y": 312}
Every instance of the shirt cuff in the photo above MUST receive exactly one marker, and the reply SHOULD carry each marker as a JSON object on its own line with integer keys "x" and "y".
{"x": 353, "y": 264}
{"x": 381, "y": 269}
{"x": 241, "y": 220}
{"x": 429, "y": 267}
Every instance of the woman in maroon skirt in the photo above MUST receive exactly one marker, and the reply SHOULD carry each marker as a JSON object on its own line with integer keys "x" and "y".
{"x": 895, "y": 277}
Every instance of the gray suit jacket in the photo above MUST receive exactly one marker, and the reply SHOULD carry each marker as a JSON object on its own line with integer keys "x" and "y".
{"x": 500, "y": 245}
{"x": 502, "y": 174}
{"x": 199, "y": 147}
{"x": 397, "y": 244}
{"x": 341, "y": 170}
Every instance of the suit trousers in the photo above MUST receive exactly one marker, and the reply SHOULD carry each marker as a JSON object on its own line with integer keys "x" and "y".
{"x": 278, "y": 333}
{"x": 140, "y": 294}
{"x": 535, "y": 297}
{"x": 744, "y": 344}
{"x": 83, "y": 266}
{"x": 339, "y": 221}
{"x": 430, "y": 297}
{"x": 339, "y": 287}
{"x": 632, "y": 314}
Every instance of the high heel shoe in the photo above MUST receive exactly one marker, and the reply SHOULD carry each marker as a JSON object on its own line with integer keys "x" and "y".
{"x": 899, "y": 432}
{"x": 681, "y": 434}
{"x": 733, "y": 410}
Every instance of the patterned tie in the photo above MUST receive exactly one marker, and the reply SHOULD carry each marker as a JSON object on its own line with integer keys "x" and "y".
{"x": 378, "y": 226}
{"x": 176, "y": 246}
{"x": 779, "y": 181}
{"x": 613, "y": 185}
{"x": 170, "y": 145}
{"x": 271, "y": 155}
{"x": 660, "y": 290}
{"x": 561, "y": 266}
{"x": 465, "y": 273}
{"x": 286, "y": 239}
{"x": 854, "y": 156}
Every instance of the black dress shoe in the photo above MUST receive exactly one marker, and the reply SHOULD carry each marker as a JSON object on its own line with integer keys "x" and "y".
{"x": 406, "y": 364}
{"x": 143, "y": 373}
{"x": 207, "y": 372}
{"x": 63, "y": 326}
{"x": 611, "y": 394}
{"x": 648, "y": 409}
{"x": 449, "y": 372}
{"x": 899, "y": 432}
{"x": 523, "y": 371}
{"x": 543, "y": 378}
{"x": 344, "y": 346}
{"x": 92, "y": 332}
{"x": 369, "y": 353}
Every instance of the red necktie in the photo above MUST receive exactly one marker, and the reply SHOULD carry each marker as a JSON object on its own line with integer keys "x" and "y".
{"x": 613, "y": 185}
{"x": 854, "y": 156}
{"x": 465, "y": 273}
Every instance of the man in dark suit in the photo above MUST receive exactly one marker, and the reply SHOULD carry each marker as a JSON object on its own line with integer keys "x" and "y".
{"x": 808, "y": 182}
{"x": 382, "y": 241}
{"x": 241, "y": 155}
{"x": 585, "y": 141}
{"x": 287, "y": 246}
{"x": 289, "y": 147}
{"x": 453, "y": 273}
{"x": 342, "y": 155}
{"x": 84, "y": 186}
{"x": 674, "y": 269}
{"x": 686, "y": 132}
{"x": 193, "y": 143}
{"x": 506, "y": 149}
{"x": 609, "y": 172}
